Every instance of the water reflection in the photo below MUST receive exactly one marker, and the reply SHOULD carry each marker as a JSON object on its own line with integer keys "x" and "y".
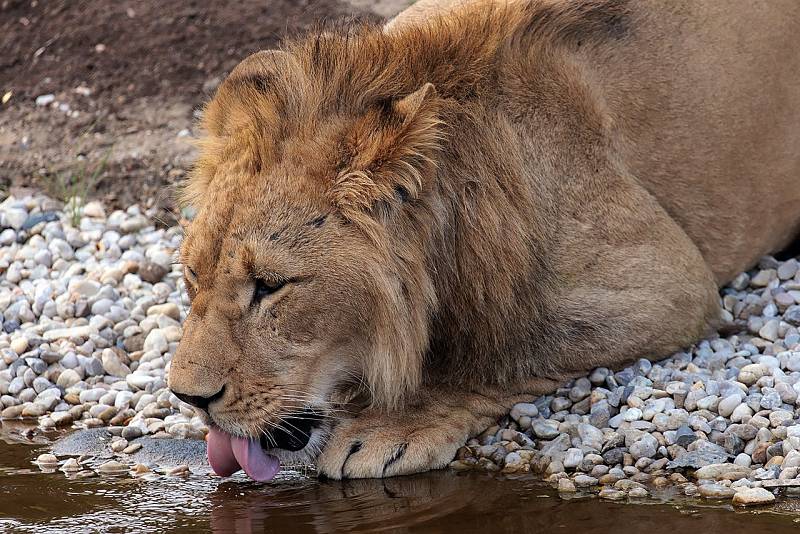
{"x": 33, "y": 501}
{"x": 332, "y": 506}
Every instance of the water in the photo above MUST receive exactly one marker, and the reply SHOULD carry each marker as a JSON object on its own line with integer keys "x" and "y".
{"x": 33, "y": 501}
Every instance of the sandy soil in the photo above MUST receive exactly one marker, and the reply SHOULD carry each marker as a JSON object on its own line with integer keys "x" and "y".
{"x": 101, "y": 96}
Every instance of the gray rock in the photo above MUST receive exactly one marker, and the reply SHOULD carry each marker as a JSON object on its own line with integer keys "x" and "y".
{"x": 580, "y": 390}
{"x": 722, "y": 472}
{"x": 599, "y": 376}
{"x": 90, "y": 442}
{"x": 590, "y": 436}
{"x": 112, "y": 364}
{"x": 770, "y": 330}
{"x": 753, "y": 497}
{"x": 40, "y": 384}
{"x": 698, "y": 459}
{"x": 644, "y": 447}
{"x": 600, "y": 414}
{"x": 524, "y": 409}
{"x": 560, "y": 404}
{"x": 573, "y": 458}
{"x": 792, "y": 315}
{"x": 545, "y": 430}
{"x": 727, "y": 405}
{"x": 787, "y": 269}
{"x": 787, "y": 393}
{"x": 685, "y": 436}
{"x": 93, "y": 367}
{"x": 614, "y": 456}
{"x": 716, "y": 491}
{"x": 585, "y": 481}
{"x": 771, "y": 400}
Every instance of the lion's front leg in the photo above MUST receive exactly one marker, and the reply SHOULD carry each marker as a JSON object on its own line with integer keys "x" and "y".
{"x": 421, "y": 436}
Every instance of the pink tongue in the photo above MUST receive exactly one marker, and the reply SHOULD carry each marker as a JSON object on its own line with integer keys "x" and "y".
{"x": 228, "y": 454}
{"x": 220, "y": 454}
{"x": 256, "y": 463}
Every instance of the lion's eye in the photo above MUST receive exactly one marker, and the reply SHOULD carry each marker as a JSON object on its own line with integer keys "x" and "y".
{"x": 265, "y": 288}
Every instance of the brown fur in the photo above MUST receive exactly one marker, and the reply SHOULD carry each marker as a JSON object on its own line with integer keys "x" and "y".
{"x": 480, "y": 200}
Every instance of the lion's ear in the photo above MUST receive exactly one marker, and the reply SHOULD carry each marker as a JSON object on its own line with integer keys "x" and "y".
{"x": 241, "y": 106}
{"x": 409, "y": 107}
{"x": 248, "y": 83}
{"x": 390, "y": 152}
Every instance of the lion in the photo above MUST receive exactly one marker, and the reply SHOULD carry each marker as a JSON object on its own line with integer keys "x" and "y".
{"x": 402, "y": 231}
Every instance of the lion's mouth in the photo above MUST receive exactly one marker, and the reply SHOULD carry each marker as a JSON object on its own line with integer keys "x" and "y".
{"x": 293, "y": 432}
{"x": 228, "y": 454}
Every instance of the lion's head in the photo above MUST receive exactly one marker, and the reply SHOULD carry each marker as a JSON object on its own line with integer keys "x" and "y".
{"x": 305, "y": 264}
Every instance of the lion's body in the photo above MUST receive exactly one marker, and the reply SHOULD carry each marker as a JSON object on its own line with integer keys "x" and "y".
{"x": 706, "y": 97}
{"x": 508, "y": 193}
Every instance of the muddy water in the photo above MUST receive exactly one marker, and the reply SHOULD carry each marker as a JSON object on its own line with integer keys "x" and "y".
{"x": 33, "y": 501}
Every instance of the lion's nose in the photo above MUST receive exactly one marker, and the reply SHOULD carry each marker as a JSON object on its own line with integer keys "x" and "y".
{"x": 197, "y": 401}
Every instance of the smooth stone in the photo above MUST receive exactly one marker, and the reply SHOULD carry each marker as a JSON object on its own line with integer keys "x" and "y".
{"x": 132, "y": 448}
{"x": 178, "y": 471}
{"x": 131, "y": 432}
{"x": 74, "y": 332}
{"x": 68, "y": 378}
{"x": 573, "y": 458}
{"x": 565, "y": 485}
{"x": 112, "y": 467}
{"x": 152, "y": 272}
{"x": 47, "y": 459}
{"x": 644, "y": 447}
{"x": 740, "y": 413}
{"x": 727, "y": 405}
{"x": 753, "y": 497}
{"x": 33, "y": 409}
{"x": 716, "y": 491}
{"x": 722, "y": 472}
{"x": 611, "y": 494}
{"x": 545, "y": 430}
{"x": 61, "y": 418}
{"x": 71, "y": 465}
{"x": 524, "y": 409}
{"x": 19, "y": 345}
{"x": 139, "y": 381}
{"x": 585, "y": 481}
{"x": 156, "y": 341}
{"x": 171, "y": 310}
{"x": 118, "y": 445}
{"x": 91, "y": 395}
{"x": 113, "y": 365}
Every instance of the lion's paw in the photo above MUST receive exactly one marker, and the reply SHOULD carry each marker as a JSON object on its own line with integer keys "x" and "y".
{"x": 375, "y": 447}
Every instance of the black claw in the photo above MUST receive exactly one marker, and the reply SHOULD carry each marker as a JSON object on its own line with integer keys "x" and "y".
{"x": 401, "y": 450}
{"x": 354, "y": 448}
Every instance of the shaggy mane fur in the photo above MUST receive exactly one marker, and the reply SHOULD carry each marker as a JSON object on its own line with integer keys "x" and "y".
{"x": 466, "y": 207}
{"x": 345, "y": 69}
{"x": 388, "y": 104}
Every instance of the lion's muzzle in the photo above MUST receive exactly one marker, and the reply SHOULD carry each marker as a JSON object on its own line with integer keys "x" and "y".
{"x": 199, "y": 401}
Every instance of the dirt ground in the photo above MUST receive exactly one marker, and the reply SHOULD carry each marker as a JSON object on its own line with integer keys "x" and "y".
{"x": 100, "y": 97}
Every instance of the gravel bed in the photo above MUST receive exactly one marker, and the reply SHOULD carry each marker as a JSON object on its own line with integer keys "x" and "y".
{"x": 91, "y": 317}
{"x": 719, "y": 421}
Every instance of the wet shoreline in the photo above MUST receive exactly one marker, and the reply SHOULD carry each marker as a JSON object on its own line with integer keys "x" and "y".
{"x": 34, "y": 501}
